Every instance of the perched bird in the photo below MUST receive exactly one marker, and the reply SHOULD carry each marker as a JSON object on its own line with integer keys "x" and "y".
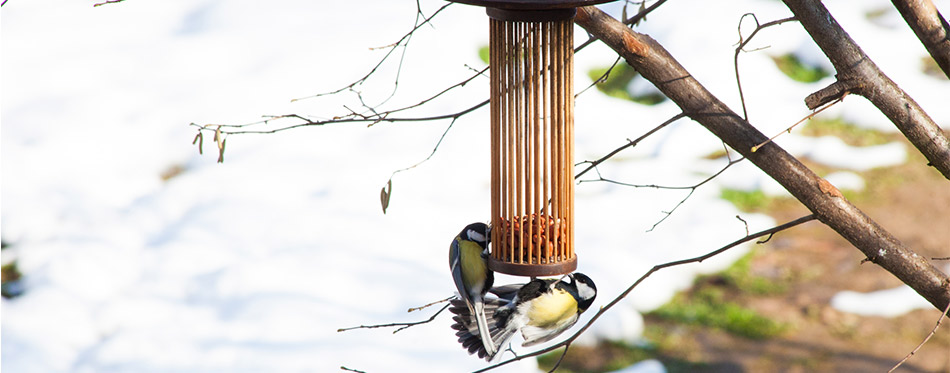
{"x": 541, "y": 309}
{"x": 468, "y": 259}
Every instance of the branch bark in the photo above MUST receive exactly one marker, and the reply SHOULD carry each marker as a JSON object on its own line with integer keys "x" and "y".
{"x": 854, "y": 66}
{"x": 931, "y": 28}
{"x": 655, "y": 64}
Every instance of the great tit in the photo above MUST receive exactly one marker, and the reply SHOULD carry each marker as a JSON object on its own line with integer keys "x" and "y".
{"x": 541, "y": 309}
{"x": 468, "y": 259}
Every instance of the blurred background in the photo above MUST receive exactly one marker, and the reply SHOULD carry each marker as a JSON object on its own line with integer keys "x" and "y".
{"x": 125, "y": 249}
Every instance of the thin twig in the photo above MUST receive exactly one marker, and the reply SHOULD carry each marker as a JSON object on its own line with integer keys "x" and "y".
{"x": 655, "y": 268}
{"x": 642, "y": 14}
{"x": 767, "y": 239}
{"x": 434, "y": 149}
{"x": 741, "y": 46}
{"x": 97, "y": 4}
{"x": 807, "y": 117}
{"x": 420, "y": 308}
{"x": 744, "y": 223}
{"x": 692, "y": 188}
{"x": 560, "y": 358}
{"x": 932, "y": 332}
{"x": 403, "y": 41}
{"x": 401, "y": 325}
{"x": 603, "y": 77}
{"x": 629, "y": 144}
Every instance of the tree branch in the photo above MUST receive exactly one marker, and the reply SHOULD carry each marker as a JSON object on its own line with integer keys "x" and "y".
{"x": 852, "y": 64}
{"x": 931, "y": 28}
{"x": 656, "y": 65}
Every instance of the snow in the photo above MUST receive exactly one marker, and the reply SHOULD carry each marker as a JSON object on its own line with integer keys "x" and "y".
{"x": 846, "y": 180}
{"x": 887, "y": 303}
{"x": 645, "y": 366}
{"x": 253, "y": 264}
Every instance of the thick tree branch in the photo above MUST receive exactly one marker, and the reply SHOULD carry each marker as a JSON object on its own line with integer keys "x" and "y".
{"x": 931, "y": 28}
{"x": 655, "y": 64}
{"x": 853, "y": 65}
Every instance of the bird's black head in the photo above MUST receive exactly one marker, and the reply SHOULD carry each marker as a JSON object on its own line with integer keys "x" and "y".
{"x": 585, "y": 288}
{"x": 478, "y": 233}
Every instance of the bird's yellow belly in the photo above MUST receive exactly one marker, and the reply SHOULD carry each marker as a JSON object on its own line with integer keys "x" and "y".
{"x": 473, "y": 267}
{"x": 552, "y": 309}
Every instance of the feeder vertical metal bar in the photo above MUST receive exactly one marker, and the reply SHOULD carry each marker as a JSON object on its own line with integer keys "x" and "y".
{"x": 536, "y": 96}
{"x": 570, "y": 128}
{"x": 505, "y": 73}
{"x": 528, "y": 138}
{"x": 547, "y": 108}
{"x": 495, "y": 134}
{"x": 519, "y": 127}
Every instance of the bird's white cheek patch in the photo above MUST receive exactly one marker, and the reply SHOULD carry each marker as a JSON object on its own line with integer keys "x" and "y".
{"x": 584, "y": 291}
{"x": 475, "y": 236}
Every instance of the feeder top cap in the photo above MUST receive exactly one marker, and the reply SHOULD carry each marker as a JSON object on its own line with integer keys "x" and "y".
{"x": 531, "y": 4}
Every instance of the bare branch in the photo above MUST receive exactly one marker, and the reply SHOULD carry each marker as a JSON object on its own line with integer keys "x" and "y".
{"x": 655, "y": 64}
{"x": 603, "y": 309}
{"x": 931, "y": 28}
{"x": 852, "y": 63}
{"x": 835, "y": 91}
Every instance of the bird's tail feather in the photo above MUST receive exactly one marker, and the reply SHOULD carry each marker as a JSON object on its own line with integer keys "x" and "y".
{"x": 466, "y": 326}
{"x": 483, "y": 326}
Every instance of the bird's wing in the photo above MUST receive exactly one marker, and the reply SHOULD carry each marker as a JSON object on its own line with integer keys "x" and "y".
{"x": 506, "y": 292}
{"x": 455, "y": 257}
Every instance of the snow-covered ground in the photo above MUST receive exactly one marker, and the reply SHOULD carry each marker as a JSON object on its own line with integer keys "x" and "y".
{"x": 253, "y": 264}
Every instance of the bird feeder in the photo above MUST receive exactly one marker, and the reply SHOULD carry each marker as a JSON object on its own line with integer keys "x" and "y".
{"x": 532, "y": 134}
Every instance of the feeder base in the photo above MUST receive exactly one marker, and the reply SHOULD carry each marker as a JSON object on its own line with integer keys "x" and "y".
{"x": 533, "y": 270}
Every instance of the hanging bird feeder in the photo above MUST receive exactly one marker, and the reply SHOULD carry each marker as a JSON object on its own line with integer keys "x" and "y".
{"x": 532, "y": 134}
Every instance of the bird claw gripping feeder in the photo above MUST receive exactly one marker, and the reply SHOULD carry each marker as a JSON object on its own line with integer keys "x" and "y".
{"x": 532, "y": 134}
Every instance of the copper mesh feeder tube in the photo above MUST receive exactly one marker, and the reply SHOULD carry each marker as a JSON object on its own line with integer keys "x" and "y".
{"x": 532, "y": 135}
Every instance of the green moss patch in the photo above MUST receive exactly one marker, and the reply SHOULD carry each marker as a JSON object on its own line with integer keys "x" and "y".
{"x": 797, "y": 70}
{"x": 617, "y": 84}
{"x": 708, "y": 307}
{"x": 749, "y": 201}
{"x": 847, "y": 132}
